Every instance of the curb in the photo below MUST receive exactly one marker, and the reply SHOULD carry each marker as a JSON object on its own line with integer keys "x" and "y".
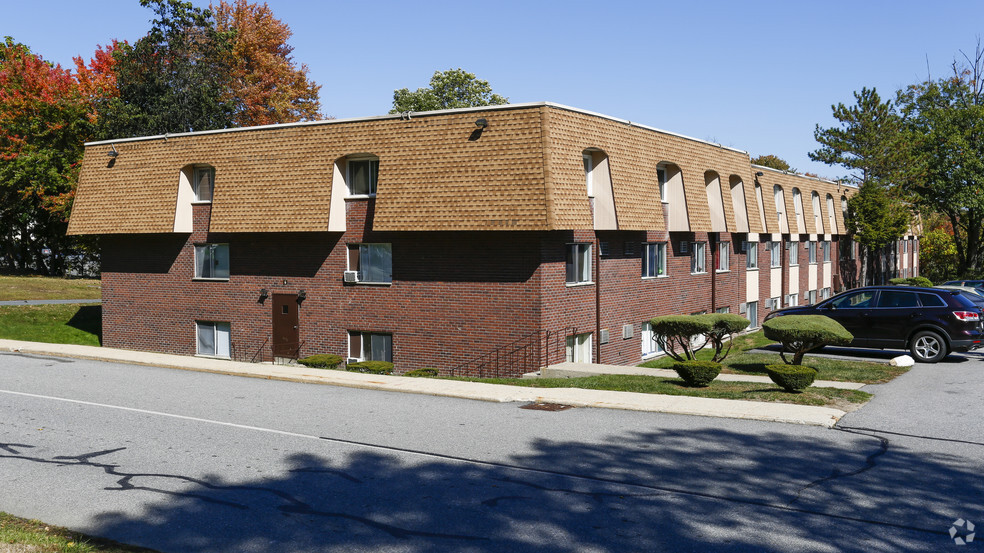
{"x": 605, "y": 399}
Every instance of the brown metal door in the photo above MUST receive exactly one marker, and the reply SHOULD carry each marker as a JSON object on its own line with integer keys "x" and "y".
{"x": 285, "y": 333}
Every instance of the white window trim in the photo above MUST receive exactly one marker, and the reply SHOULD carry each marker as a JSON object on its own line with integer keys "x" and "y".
{"x": 793, "y": 259}
{"x": 751, "y": 256}
{"x": 775, "y": 246}
{"x": 195, "y": 171}
{"x": 588, "y": 174}
{"x": 348, "y": 177}
{"x": 661, "y": 258}
{"x": 215, "y": 338}
{"x": 695, "y": 257}
{"x": 360, "y": 272}
{"x": 586, "y": 259}
{"x": 724, "y": 259}
{"x": 196, "y": 262}
{"x": 649, "y": 354}
{"x": 366, "y": 338}
{"x": 579, "y": 343}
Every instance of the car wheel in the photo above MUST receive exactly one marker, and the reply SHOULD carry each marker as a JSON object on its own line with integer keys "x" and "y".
{"x": 928, "y": 347}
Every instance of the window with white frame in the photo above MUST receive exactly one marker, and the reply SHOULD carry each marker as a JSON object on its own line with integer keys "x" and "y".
{"x": 204, "y": 183}
{"x": 905, "y": 245}
{"x": 213, "y": 338}
{"x": 362, "y": 175}
{"x": 371, "y": 262}
{"x": 370, "y": 346}
{"x": 723, "y": 310}
{"x": 811, "y": 297}
{"x": 654, "y": 259}
{"x": 698, "y": 257}
{"x": 751, "y": 313}
{"x": 650, "y": 345}
{"x": 578, "y": 263}
{"x": 811, "y": 247}
{"x": 588, "y": 179}
{"x": 826, "y": 251}
{"x": 793, "y": 253}
{"x": 579, "y": 348}
{"x": 775, "y": 254}
{"x": 661, "y": 176}
{"x": 751, "y": 255}
{"x": 792, "y": 300}
{"x": 212, "y": 261}
{"x": 825, "y": 293}
{"x": 724, "y": 257}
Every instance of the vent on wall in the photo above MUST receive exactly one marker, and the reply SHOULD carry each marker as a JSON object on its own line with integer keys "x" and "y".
{"x": 604, "y": 336}
{"x": 350, "y": 276}
{"x": 627, "y": 331}
{"x": 743, "y": 308}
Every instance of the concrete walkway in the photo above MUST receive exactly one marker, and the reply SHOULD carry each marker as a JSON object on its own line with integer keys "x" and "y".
{"x": 682, "y": 405}
{"x": 7, "y": 303}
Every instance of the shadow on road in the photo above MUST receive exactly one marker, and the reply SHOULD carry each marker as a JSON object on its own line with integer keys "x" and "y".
{"x": 822, "y": 490}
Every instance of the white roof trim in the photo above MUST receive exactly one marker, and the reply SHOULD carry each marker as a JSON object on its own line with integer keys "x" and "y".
{"x": 411, "y": 116}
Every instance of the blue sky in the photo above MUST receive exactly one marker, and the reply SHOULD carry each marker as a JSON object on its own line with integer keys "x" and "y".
{"x": 751, "y": 75}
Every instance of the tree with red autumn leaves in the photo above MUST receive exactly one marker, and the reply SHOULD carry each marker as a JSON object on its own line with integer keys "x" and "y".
{"x": 44, "y": 117}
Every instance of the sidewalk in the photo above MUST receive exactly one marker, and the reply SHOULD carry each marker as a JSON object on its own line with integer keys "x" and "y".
{"x": 681, "y": 405}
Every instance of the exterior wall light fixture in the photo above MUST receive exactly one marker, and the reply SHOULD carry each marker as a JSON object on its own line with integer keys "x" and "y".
{"x": 112, "y": 151}
{"x": 482, "y": 123}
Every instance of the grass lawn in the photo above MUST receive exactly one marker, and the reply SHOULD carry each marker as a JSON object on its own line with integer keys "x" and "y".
{"x": 55, "y": 324}
{"x": 48, "y": 288}
{"x": 31, "y": 536}
{"x": 676, "y": 387}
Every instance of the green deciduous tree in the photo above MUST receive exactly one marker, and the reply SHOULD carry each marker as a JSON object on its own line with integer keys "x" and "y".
{"x": 774, "y": 162}
{"x": 938, "y": 250}
{"x": 945, "y": 119}
{"x": 174, "y": 79}
{"x": 454, "y": 88}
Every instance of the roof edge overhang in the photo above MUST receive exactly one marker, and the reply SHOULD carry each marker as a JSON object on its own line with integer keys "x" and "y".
{"x": 411, "y": 115}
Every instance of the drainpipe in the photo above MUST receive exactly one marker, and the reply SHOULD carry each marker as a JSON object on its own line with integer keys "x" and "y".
{"x": 712, "y": 238}
{"x": 597, "y": 265}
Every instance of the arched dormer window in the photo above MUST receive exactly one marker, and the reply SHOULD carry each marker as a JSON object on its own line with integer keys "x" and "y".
{"x": 715, "y": 203}
{"x": 203, "y": 182}
{"x": 738, "y": 203}
{"x": 817, "y": 219}
{"x": 780, "y": 200}
{"x": 361, "y": 173}
{"x": 798, "y": 208}
{"x": 831, "y": 218}
{"x": 598, "y": 187}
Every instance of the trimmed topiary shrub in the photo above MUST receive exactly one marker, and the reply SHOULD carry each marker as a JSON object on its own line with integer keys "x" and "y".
{"x": 675, "y": 332}
{"x": 792, "y": 378}
{"x": 723, "y": 328}
{"x": 370, "y": 367}
{"x": 912, "y": 281}
{"x": 321, "y": 361}
{"x": 801, "y": 334}
{"x": 697, "y": 374}
{"x": 426, "y": 371}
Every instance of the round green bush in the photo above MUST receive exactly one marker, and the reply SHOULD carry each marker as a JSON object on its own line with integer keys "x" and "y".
{"x": 370, "y": 367}
{"x": 426, "y": 371}
{"x": 792, "y": 378}
{"x": 321, "y": 361}
{"x": 697, "y": 374}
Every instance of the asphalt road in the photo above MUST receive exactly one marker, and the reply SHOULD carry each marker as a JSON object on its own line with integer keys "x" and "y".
{"x": 193, "y": 462}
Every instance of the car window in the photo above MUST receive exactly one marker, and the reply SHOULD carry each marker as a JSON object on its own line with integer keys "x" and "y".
{"x": 857, "y": 300}
{"x": 897, "y": 298}
{"x": 931, "y": 300}
{"x": 976, "y": 299}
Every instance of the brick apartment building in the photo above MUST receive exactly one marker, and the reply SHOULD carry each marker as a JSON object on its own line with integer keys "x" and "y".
{"x": 486, "y": 240}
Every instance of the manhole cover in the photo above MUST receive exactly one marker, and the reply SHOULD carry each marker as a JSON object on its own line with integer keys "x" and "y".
{"x": 546, "y": 406}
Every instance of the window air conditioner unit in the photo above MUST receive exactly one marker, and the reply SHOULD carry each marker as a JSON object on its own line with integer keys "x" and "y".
{"x": 770, "y": 303}
{"x": 350, "y": 276}
{"x": 743, "y": 308}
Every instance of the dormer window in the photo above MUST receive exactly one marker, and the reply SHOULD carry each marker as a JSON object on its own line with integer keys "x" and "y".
{"x": 588, "y": 168}
{"x": 362, "y": 175}
{"x": 203, "y": 183}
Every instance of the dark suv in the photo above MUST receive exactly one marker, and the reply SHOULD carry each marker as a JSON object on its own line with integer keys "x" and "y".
{"x": 929, "y": 322}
